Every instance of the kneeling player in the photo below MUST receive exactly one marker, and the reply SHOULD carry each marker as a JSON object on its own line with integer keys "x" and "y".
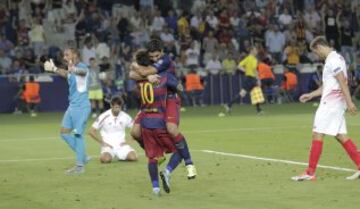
{"x": 111, "y": 125}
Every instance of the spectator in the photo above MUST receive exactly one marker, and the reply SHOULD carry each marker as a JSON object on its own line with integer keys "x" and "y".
{"x": 23, "y": 34}
{"x": 285, "y": 18}
{"x": 37, "y": 36}
{"x": 158, "y": 22}
{"x": 330, "y": 22}
{"x": 213, "y": 66}
{"x": 292, "y": 53}
{"x": 171, "y": 20}
{"x": 312, "y": 18}
{"x": 194, "y": 87}
{"x": 88, "y": 50}
{"x": 5, "y": 44}
{"x": 5, "y": 62}
{"x": 290, "y": 81}
{"x": 212, "y": 21}
{"x": 95, "y": 89}
{"x": 192, "y": 57}
{"x": 31, "y": 95}
{"x": 183, "y": 24}
{"x": 267, "y": 78}
{"x": 346, "y": 34}
{"x": 102, "y": 49}
{"x": 229, "y": 64}
{"x": 275, "y": 42}
{"x": 210, "y": 45}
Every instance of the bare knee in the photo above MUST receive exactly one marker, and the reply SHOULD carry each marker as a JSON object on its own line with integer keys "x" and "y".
{"x": 341, "y": 138}
{"x": 105, "y": 158}
{"x": 131, "y": 156}
{"x": 317, "y": 136}
{"x": 172, "y": 129}
{"x": 135, "y": 132}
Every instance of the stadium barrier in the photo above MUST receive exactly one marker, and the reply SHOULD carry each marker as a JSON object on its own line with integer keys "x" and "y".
{"x": 219, "y": 89}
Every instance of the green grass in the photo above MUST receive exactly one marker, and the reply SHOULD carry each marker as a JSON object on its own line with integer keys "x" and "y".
{"x": 37, "y": 180}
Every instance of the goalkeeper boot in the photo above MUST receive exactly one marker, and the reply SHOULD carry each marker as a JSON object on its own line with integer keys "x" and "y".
{"x": 304, "y": 177}
{"x": 76, "y": 170}
{"x": 355, "y": 176}
{"x": 191, "y": 171}
{"x": 165, "y": 178}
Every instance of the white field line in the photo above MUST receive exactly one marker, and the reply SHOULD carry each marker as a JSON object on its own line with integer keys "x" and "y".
{"x": 275, "y": 160}
{"x": 190, "y": 132}
{"x": 204, "y": 151}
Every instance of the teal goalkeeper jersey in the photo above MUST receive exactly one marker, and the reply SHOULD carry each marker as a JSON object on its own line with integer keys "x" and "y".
{"x": 78, "y": 88}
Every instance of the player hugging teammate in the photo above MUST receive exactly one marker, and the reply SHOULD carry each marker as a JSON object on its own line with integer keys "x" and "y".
{"x": 156, "y": 125}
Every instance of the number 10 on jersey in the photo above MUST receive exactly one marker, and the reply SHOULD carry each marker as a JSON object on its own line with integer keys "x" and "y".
{"x": 147, "y": 93}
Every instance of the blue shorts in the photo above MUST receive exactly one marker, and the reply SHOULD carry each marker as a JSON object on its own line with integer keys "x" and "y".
{"x": 76, "y": 118}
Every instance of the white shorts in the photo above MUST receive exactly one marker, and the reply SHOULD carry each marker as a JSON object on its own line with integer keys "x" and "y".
{"x": 330, "y": 121}
{"x": 120, "y": 152}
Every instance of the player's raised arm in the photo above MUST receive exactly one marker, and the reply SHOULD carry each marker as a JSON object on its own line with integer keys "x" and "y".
{"x": 340, "y": 77}
{"x": 49, "y": 66}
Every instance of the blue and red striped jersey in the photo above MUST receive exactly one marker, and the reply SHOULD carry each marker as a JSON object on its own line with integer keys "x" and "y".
{"x": 153, "y": 100}
{"x": 165, "y": 64}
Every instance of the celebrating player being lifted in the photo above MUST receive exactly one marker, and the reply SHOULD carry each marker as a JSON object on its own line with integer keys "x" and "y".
{"x": 156, "y": 139}
{"x": 329, "y": 117}
{"x": 76, "y": 115}
{"x": 163, "y": 63}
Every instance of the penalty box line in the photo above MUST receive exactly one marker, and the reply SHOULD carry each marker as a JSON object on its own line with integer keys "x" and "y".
{"x": 274, "y": 160}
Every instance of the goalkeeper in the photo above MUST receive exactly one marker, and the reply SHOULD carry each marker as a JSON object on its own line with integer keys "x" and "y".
{"x": 78, "y": 111}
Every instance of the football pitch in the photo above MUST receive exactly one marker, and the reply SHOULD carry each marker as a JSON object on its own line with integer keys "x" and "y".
{"x": 243, "y": 161}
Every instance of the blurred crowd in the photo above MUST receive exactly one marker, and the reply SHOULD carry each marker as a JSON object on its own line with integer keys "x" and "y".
{"x": 203, "y": 36}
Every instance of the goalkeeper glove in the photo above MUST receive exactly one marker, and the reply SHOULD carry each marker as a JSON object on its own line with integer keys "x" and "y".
{"x": 49, "y": 66}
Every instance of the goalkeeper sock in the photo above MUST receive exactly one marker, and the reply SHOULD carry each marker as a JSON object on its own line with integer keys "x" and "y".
{"x": 70, "y": 140}
{"x": 315, "y": 152}
{"x": 174, "y": 161}
{"x": 153, "y": 172}
{"x": 351, "y": 150}
{"x": 80, "y": 150}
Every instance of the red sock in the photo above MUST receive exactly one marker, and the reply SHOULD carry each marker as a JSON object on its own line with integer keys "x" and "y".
{"x": 315, "y": 152}
{"x": 351, "y": 149}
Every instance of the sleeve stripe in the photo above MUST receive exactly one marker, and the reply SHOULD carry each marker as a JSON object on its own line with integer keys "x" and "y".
{"x": 100, "y": 123}
{"x": 336, "y": 69}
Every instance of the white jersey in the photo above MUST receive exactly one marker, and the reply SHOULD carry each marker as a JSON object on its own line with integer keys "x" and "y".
{"x": 112, "y": 128}
{"x": 332, "y": 95}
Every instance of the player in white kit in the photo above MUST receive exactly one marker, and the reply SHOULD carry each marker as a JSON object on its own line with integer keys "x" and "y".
{"x": 112, "y": 124}
{"x": 329, "y": 117}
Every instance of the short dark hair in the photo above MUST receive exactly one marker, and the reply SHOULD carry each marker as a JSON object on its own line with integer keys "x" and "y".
{"x": 31, "y": 78}
{"x": 154, "y": 45}
{"x": 319, "y": 41}
{"x": 142, "y": 57}
{"x": 116, "y": 101}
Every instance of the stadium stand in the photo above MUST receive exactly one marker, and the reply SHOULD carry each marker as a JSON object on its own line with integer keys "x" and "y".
{"x": 205, "y": 36}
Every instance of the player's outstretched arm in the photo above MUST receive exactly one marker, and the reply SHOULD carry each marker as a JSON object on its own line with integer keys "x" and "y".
{"x": 340, "y": 77}
{"x": 49, "y": 66}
